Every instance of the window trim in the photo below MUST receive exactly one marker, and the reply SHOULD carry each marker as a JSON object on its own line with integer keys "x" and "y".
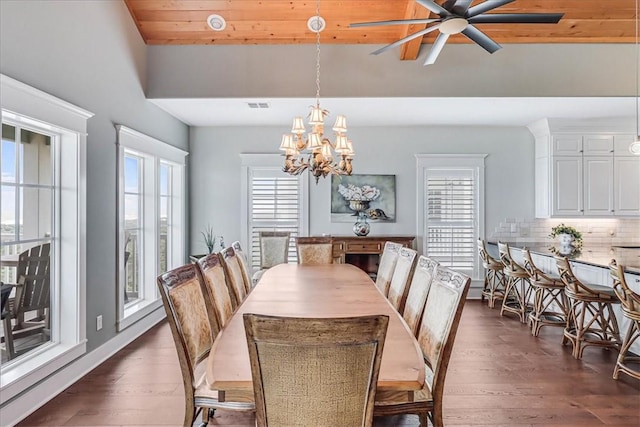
{"x": 267, "y": 161}
{"x": 35, "y": 108}
{"x": 153, "y": 152}
{"x": 447, "y": 161}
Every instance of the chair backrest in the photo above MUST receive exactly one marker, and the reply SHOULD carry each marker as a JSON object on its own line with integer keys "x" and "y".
{"x": 418, "y": 291}
{"x": 235, "y": 281}
{"x": 244, "y": 265}
{"x": 487, "y": 260}
{"x": 183, "y": 300}
{"x": 33, "y": 278}
{"x": 535, "y": 273}
{"x": 315, "y": 372}
{"x": 439, "y": 325}
{"x": 314, "y": 250}
{"x": 507, "y": 259}
{"x": 402, "y": 275}
{"x": 572, "y": 284}
{"x": 388, "y": 261}
{"x": 274, "y": 248}
{"x": 629, "y": 299}
{"x": 215, "y": 287}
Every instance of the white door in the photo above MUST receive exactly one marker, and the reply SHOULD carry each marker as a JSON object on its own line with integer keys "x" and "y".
{"x": 627, "y": 186}
{"x": 598, "y": 186}
{"x": 567, "y": 186}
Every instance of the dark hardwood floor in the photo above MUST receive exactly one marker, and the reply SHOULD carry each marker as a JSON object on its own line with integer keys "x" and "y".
{"x": 499, "y": 375}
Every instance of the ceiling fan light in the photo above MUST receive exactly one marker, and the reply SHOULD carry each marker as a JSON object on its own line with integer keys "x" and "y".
{"x": 453, "y": 26}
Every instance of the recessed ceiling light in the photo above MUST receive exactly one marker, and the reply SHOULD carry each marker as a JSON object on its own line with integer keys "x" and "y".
{"x": 216, "y": 22}
{"x": 316, "y": 24}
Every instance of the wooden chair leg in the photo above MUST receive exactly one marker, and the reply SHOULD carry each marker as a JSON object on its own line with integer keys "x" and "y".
{"x": 633, "y": 333}
{"x": 8, "y": 338}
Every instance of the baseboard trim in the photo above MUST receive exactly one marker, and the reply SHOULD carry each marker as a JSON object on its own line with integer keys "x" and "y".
{"x": 22, "y": 406}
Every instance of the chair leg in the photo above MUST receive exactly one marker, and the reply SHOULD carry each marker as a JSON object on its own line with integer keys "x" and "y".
{"x": 633, "y": 333}
{"x": 8, "y": 338}
{"x": 424, "y": 419}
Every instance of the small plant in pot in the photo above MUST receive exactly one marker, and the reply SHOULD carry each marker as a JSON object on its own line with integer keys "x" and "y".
{"x": 569, "y": 239}
{"x": 210, "y": 240}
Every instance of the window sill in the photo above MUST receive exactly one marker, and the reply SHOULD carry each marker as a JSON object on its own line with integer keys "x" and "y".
{"x": 17, "y": 377}
{"x": 137, "y": 311}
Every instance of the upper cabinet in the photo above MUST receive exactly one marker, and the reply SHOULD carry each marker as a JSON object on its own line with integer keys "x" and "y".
{"x": 589, "y": 173}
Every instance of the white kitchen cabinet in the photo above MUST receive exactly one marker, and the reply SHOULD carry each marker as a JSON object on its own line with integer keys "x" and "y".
{"x": 597, "y": 145}
{"x": 566, "y": 145}
{"x": 598, "y": 185}
{"x": 626, "y": 182}
{"x": 567, "y": 179}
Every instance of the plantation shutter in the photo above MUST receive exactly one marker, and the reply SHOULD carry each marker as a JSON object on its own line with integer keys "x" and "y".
{"x": 275, "y": 205}
{"x": 451, "y": 218}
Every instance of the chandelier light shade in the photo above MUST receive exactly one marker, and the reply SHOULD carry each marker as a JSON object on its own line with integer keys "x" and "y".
{"x": 314, "y": 151}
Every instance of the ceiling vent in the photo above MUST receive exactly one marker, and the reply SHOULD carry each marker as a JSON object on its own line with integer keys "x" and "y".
{"x": 258, "y": 105}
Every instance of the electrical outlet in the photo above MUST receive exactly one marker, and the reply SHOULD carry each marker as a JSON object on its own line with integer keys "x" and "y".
{"x": 99, "y": 322}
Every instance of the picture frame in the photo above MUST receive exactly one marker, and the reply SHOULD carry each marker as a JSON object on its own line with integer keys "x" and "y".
{"x": 381, "y": 209}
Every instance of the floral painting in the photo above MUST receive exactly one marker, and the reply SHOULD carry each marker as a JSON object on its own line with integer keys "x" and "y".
{"x": 373, "y": 195}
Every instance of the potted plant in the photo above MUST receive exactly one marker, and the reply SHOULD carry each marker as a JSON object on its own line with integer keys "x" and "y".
{"x": 569, "y": 239}
{"x": 210, "y": 239}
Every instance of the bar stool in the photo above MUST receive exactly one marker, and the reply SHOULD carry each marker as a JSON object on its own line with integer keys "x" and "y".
{"x": 591, "y": 318}
{"x": 549, "y": 301}
{"x": 518, "y": 291}
{"x": 631, "y": 310}
{"x": 494, "y": 280}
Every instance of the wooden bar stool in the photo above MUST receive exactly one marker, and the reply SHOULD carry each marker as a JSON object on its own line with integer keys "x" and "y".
{"x": 631, "y": 310}
{"x": 591, "y": 318}
{"x": 549, "y": 300}
{"x": 494, "y": 280}
{"x": 518, "y": 290}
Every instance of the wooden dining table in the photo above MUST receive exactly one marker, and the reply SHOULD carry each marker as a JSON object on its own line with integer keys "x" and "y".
{"x": 335, "y": 290}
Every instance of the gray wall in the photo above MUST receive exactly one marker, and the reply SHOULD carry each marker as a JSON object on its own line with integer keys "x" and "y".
{"x": 90, "y": 54}
{"x": 462, "y": 70}
{"x": 215, "y": 173}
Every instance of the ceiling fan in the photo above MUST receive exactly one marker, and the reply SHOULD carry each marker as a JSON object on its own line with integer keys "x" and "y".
{"x": 457, "y": 16}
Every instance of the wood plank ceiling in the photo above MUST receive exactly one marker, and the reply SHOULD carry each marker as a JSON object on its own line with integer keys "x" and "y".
{"x": 175, "y": 22}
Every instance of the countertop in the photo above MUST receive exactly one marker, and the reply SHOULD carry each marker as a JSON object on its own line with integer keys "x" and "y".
{"x": 597, "y": 255}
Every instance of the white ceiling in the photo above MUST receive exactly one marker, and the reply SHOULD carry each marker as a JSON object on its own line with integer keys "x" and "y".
{"x": 397, "y": 111}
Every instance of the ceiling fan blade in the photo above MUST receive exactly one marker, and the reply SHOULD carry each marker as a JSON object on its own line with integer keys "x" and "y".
{"x": 517, "y": 18}
{"x": 395, "y": 22}
{"x": 487, "y": 6}
{"x": 481, "y": 39}
{"x": 406, "y": 39}
{"x": 436, "y": 48}
{"x": 434, "y": 7}
{"x": 458, "y": 7}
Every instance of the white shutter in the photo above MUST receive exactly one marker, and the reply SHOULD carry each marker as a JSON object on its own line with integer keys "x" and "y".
{"x": 451, "y": 216}
{"x": 274, "y": 206}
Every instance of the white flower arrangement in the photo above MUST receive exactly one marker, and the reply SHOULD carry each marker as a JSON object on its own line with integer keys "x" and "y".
{"x": 365, "y": 193}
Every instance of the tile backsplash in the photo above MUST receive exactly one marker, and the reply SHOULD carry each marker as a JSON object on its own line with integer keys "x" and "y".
{"x": 609, "y": 231}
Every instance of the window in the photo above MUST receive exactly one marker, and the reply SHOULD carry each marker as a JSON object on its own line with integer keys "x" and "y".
{"x": 151, "y": 212}
{"x": 451, "y": 192}
{"x": 276, "y": 201}
{"x": 42, "y": 211}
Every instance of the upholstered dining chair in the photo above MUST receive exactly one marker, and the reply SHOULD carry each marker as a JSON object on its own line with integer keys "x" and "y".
{"x": 591, "y": 321}
{"x": 216, "y": 291}
{"x": 402, "y": 275}
{"x": 630, "y": 301}
{"x": 274, "y": 250}
{"x": 388, "y": 261}
{"x": 494, "y": 280}
{"x": 436, "y": 336}
{"x": 315, "y": 371}
{"x": 314, "y": 250}
{"x": 235, "y": 281}
{"x": 418, "y": 291}
{"x": 244, "y": 265}
{"x": 184, "y": 303}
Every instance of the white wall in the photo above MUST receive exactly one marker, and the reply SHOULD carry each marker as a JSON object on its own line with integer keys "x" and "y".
{"x": 215, "y": 173}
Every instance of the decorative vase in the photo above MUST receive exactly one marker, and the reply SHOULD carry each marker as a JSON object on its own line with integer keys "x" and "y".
{"x": 565, "y": 242}
{"x": 361, "y": 227}
{"x": 359, "y": 205}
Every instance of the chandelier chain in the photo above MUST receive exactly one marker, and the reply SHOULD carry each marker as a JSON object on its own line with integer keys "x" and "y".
{"x": 318, "y": 52}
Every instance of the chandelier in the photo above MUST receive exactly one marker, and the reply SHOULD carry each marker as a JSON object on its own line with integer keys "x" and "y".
{"x": 316, "y": 152}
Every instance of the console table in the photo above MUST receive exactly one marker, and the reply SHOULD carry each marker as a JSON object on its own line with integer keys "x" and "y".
{"x": 364, "y": 252}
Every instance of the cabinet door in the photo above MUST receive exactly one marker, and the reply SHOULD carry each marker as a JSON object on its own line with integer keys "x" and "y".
{"x": 621, "y": 145}
{"x": 598, "y": 186}
{"x": 567, "y": 145}
{"x": 627, "y": 186}
{"x": 567, "y": 186}
{"x": 597, "y": 145}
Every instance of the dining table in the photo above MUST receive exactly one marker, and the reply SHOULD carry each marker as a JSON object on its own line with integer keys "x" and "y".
{"x": 319, "y": 291}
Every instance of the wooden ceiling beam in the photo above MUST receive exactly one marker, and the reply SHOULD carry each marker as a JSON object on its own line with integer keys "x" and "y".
{"x": 409, "y": 51}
